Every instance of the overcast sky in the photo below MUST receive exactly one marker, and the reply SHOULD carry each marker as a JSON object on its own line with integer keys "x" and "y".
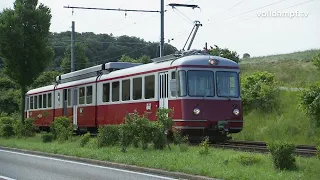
{"x": 233, "y": 23}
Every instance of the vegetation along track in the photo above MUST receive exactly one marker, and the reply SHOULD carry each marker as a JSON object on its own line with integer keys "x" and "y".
{"x": 254, "y": 146}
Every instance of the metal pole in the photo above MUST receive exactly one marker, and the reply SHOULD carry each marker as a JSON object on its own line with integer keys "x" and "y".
{"x": 162, "y": 29}
{"x": 197, "y": 24}
{"x": 74, "y": 90}
{"x": 72, "y": 48}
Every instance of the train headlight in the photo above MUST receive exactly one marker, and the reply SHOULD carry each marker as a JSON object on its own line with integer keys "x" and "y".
{"x": 236, "y": 112}
{"x": 196, "y": 111}
{"x": 213, "y": 61}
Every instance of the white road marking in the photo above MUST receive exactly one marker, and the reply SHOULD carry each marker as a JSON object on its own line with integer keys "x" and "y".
{"x": 85, "y": 164}
{"x": 5, "y": 178}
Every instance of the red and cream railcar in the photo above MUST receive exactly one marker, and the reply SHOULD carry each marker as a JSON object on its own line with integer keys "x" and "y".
{"x": 203, "y": 91}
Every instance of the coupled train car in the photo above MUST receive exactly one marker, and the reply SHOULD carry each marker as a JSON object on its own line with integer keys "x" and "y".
{"x": 202, "y": 90}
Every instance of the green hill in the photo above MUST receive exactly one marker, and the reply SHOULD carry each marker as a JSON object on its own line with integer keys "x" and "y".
{"x": 292, "y": 70}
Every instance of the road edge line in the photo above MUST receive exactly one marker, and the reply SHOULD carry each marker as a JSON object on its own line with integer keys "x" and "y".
{"x": 172, "y": 174}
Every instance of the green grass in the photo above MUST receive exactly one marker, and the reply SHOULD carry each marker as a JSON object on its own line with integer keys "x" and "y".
{"x": 226, "y": 164}
{"x": 292, "y": 70}
{"x": 295, "y": 56}
{"x": 288, "y": 123}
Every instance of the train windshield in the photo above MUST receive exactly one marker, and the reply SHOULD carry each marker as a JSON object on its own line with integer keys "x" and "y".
{"x": 227, "y": 84}
{"x": 200, "y": 83}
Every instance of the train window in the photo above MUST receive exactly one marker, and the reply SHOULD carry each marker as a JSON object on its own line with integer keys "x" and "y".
{"x": 81, "y": 95}
{"x": 149, "y": 87}
{"x": 69, "y": 97}
{"x": 182, "y": 86}
{"x": 115, "y": 91}
{"x": 45, "y": 101}
{"x": 126, "y": 90}
{"x": 31, "y": 102}
{"x": 173, "y": 76}
{"x": 200, "y": 83}
{"x": 49, "y": 100}
{"x": 106, "y": 92}
{"x": 89, "y": 94}
{"x": 27, "y": 103}
{"x": 137, "y": 88}
{"x": 35, "y": 102}
{"x": 40, "y": 101}
{"x": 227, "y": 84}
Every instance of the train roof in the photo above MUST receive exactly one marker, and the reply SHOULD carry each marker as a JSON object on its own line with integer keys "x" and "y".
{"x": 158, "y": 64}
{"x": 41, "y": 89}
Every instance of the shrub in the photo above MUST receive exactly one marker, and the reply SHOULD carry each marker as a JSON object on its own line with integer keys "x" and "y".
{"x": 125, "y": 136}
{"x": 84, "y": 139}
{"x": 178, "y": 138}
{"x": 318, "y": 152}
{"x": 310, "y": 101}
{"x": 282, "y": 155}
{"x": 159, "y": 137}
{"x": 259, "y": 91}
{"x": 204, "y": 147}
{"x": 108, "y": 135}
{"x": 146, "y": 129}
{"x": 62, "y": 128}
{"x": 132, "y": 127}
{"x": 24, "y": 130}
{"x": 316, "y": 61}
{"x": 47, "y": 137}
{"x": 165, "y": 118}
{"x": 247, "y": 160}
{"x": 6, "y": 127}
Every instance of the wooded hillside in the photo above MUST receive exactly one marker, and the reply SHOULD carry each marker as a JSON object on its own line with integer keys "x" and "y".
{"x": 102, "y": 48}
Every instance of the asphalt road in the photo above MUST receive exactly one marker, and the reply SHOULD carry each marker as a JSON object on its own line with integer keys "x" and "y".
{"x": 20, "y": 166}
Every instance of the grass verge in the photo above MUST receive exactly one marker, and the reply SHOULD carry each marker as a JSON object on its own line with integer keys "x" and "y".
{"x": 289, "y": 123}
{"x": 226, "y": 164}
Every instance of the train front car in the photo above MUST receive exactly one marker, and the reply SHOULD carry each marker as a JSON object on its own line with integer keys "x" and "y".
{"x": 208, "y": 101}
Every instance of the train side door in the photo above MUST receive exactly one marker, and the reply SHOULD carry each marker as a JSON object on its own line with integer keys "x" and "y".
{"x": 64, "y": 102}
{"x": 163, "y": 89}
{"x": 27, "y": 106}
{"x": 75, "y": 107}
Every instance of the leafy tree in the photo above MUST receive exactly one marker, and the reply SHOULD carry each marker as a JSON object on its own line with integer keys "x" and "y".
{"x": 45, "y": 79}
{"x": 9, "y": 101}
{"x": 143, "y": 59}
{"x": 226, "y": 53}
{"x": 24, "y": 45}
{"x": 81, "y": 60}
{"x": 246, "y": 55}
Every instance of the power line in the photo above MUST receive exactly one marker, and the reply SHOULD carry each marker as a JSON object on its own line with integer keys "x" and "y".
{"x": 295, "y": 5}
{"x": 111, "y": 9}
{"x": 137, "y": 10}
{"x": 219, "y": 13}
{"x": 186, "y": 18}
{"x": 241, "y": 13}
{"x": 231, "y": 7}
{"x": 276, "y": 10}
{"x": 255, "y": 9}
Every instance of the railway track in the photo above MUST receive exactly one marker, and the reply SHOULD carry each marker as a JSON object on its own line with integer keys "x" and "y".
{"x": 302, "y": 150}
